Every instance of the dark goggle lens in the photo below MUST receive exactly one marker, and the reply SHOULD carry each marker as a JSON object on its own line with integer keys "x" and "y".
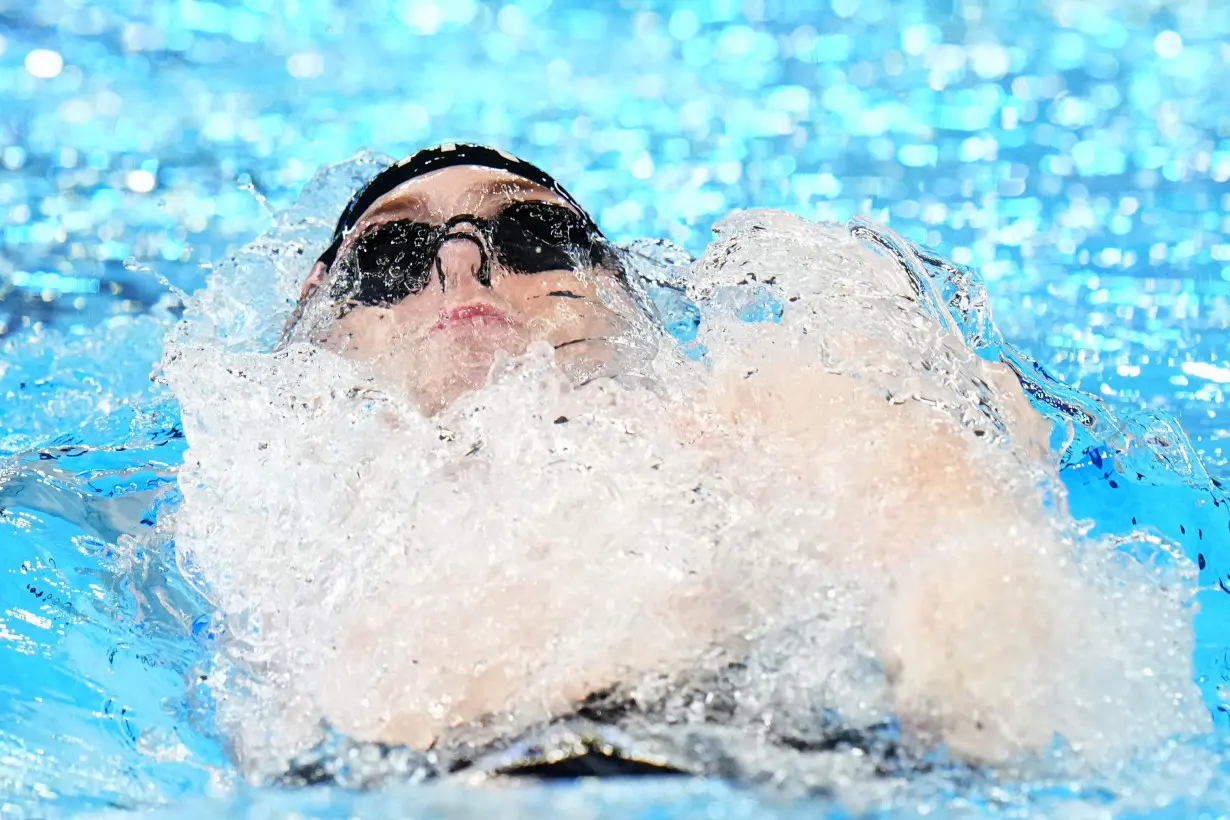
{"x": 387, "y": 263}
{"x": 533, "y": 237}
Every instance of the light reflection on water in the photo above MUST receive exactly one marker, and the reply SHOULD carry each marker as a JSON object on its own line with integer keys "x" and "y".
{"x": 1075, "y": 154}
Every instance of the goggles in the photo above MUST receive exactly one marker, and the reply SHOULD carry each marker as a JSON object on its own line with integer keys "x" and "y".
{"x": 391, "y": 261}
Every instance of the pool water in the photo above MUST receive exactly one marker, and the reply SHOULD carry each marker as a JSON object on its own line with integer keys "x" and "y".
{"x": 1075, "y": 154}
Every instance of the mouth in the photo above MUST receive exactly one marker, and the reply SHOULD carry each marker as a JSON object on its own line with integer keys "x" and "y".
{"x": 474, "y": 315}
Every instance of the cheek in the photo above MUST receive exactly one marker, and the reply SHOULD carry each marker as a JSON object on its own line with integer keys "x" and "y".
{"x": 560, "y": 319}
{"x": 361, "y": 333}
{"x": 367, "y": 332}
{"x": 596, "y": 313}
{"x": 416, "y": 315}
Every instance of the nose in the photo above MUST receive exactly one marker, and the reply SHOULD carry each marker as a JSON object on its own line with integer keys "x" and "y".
{"x": 461, "y": 261}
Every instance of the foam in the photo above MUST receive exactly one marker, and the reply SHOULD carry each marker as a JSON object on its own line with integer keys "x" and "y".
{"x": 848, "y": 499}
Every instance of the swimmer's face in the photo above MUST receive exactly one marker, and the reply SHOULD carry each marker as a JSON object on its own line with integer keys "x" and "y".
{"x": 445, "y": 271}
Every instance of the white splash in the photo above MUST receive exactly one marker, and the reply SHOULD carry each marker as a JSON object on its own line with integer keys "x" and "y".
{"x": 849, "y": 496}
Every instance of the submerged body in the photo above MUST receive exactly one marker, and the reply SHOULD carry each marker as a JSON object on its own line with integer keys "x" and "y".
{"x": 442, "y": 534}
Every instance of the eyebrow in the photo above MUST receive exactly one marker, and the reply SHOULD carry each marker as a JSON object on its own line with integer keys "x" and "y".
{"x": 510, "y": 184}
{"x": 487, "y": 187}
{"x": 402, "y": 203}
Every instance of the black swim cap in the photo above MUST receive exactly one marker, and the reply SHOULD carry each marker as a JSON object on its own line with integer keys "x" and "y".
{"x": 433, "y": 159}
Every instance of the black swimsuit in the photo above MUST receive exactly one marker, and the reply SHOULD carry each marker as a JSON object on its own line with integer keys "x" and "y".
{"x": 608, "y": 736}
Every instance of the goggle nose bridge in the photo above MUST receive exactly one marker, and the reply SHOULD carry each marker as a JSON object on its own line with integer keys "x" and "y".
{"x": 480, "y": 239}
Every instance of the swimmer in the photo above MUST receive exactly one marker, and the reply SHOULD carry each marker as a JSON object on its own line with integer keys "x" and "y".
{"x": 447, "y": 259}
{"x": 460, "y": 255}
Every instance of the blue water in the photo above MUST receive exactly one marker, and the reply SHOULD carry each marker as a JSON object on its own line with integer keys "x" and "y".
{"x": 1076, "y": 154}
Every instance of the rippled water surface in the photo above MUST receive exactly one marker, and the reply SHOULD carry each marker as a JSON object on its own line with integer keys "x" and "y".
{"x": 1076, "y": 154}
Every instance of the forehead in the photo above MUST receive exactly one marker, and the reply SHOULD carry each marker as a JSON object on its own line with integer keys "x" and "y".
{"x": 464, "y": 189}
